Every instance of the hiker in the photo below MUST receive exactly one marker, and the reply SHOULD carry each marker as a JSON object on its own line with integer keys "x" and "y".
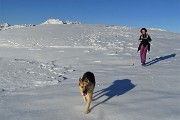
{"x": 144, "y": 45}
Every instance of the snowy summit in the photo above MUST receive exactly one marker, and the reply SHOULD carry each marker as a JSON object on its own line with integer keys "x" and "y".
{"x": 3, "y": 25}
{"x": 52, "y": 21}
{"x": 58, "y": 22}
{"x": 6, "y": 26}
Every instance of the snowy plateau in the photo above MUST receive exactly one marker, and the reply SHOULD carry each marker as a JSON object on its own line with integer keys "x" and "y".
{"x": 40, "y": 67}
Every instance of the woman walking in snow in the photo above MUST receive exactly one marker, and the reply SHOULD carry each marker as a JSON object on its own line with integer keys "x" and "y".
{"x": 144, "y": 45}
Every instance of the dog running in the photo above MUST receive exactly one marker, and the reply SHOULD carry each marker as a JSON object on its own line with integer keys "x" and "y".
{"x": 86, "y": 86}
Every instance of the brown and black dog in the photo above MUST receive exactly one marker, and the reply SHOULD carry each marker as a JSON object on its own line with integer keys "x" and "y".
{"x": 86, "y": 86}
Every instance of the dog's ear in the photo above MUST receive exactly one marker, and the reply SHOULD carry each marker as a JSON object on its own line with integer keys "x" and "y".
{"x": 80, "y": 79}
{"x": 86, "y": 80}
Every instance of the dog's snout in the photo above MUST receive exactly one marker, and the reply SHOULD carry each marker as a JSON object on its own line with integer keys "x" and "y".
{"x": 85, "y": 91}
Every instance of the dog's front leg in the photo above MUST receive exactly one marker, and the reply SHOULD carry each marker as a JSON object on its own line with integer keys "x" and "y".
{"x": 85, "y": 99}
{"x": 89, "y": 99}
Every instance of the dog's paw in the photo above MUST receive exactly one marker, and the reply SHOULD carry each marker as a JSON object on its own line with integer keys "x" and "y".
{"x": 87, "y": 112}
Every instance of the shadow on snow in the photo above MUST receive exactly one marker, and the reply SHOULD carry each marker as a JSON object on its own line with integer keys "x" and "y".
{"x": 159, "y": 59}
{"x": 119, "y": 87}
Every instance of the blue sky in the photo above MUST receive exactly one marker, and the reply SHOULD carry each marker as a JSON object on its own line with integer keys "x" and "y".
{"x": 163, "y": 14}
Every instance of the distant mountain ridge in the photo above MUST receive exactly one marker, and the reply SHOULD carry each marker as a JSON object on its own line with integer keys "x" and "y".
{"x": 6, "y": 26}
{"x": 57, "y": 21}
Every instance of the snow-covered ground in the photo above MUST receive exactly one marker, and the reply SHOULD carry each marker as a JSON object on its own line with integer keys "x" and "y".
{"x": 40, "y": 67}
